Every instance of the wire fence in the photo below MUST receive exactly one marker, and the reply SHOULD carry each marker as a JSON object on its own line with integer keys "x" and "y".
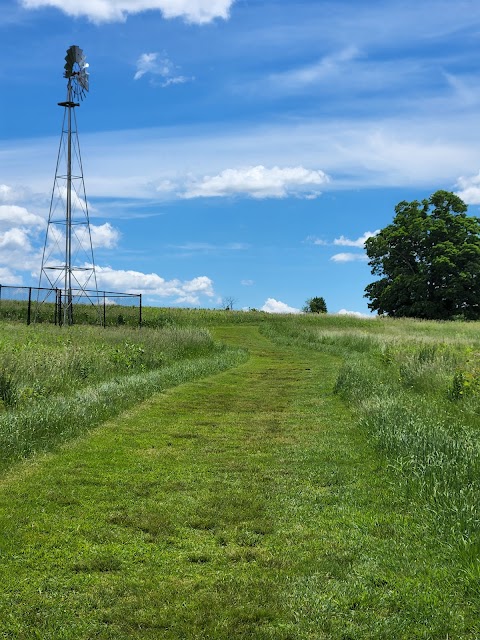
{"x": 39, "y": 304}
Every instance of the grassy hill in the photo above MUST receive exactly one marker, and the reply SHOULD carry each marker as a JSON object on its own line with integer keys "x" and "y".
{"x": 248, "y": 476}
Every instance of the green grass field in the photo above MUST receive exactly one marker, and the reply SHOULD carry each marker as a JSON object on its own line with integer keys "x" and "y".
{"x": 325, "y": 487}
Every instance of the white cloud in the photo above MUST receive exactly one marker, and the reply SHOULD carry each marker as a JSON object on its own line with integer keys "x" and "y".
{"x": 359, "y": 242}
{"x": 305, "y": 76}
{"x": 17, "y": 252}
{"x": 147, "y": 63}
{"x": 469, "y": 189}
{"x": 104, "y": 235}
{"x": 194, "y": 11}
{"x": 409, "y": 151}
{"x": 9, "y": 278}
{"x": 466, "y": 89}
{"x": 247, "y": 283}
{"x": 15, "y": 239}
{"x": 176, "y": 80}
{"x": 11, "y": 215}
{"x": 187, "y": 291}
{"x": 163, "y": 67}
{"x": 259, "y": 182}
{"x": 356, "y": 314}
{"x": 349, "y": 257}
{"x": 275, "y": 306}
{"x": 6, "y": 193}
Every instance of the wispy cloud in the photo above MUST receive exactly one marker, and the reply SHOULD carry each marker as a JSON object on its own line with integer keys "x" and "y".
{"x": 465, "y": 88}
{"x": 194, "y": 11}
{"x": 156, "y": 65}
{"x": 304, "y": 76}
{"x": 259, "y": 182}
{"x": 207, "y": 247}
{"x": 400, "y": 151}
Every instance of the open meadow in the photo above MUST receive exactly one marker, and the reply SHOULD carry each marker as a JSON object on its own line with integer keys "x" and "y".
{"x": 221, "y": 474}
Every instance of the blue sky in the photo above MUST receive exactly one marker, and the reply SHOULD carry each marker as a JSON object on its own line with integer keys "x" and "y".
{"x": 237, "y": 148}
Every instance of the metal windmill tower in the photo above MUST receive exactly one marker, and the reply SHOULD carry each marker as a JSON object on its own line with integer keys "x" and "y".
{"x": 68, "y": 265}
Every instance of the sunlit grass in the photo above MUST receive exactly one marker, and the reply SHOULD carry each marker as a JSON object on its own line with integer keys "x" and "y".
{"x": 245, "y": 505}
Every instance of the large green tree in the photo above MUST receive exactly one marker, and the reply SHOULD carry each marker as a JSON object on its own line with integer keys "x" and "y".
{"x": 428, "y": 260}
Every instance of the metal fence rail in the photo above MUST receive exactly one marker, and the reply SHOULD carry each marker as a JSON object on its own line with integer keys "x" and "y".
{"x": 40, "y": 304}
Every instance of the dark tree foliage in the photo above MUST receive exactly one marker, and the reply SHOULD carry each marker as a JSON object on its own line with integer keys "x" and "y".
{"x": 315, "y": 305}
{"x": 428, "y": 261}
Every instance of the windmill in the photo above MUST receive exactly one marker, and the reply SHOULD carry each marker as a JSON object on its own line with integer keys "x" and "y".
{"x": 68, "y": 266}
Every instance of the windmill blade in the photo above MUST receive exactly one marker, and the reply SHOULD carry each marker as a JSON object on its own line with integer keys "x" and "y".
{"x": 83, "y": 79}
{"x": 76, "y": 71}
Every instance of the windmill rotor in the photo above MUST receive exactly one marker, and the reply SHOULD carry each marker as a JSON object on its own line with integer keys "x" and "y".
{"x": 76, "y": 71}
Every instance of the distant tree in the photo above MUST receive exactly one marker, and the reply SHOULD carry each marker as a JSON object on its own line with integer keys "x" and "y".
{"x": 428, "y": 259}
{"x": 227, "y": 303}
{"x": 315, "y": 305}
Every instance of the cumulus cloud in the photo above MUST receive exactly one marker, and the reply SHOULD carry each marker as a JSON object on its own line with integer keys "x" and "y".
{"x": 186, "y": 291}
{"x": 469, "y": 189}
{"x": 104, "y": 235}
{"x": 162, "y": 67}
{"x": 17, "y": 252}
{"x": 193, "y": 11}
{"x": 349, "y": 257}
{"x": 359, "y": 242}
{"x": 276, "y": 306}
{"x": 7, "y": 277}
{"x": 356, "y": 314}
{"x": 11, "y": 215}
{"x": 259, "y": 182}
{"x": 19, "y": 233}
{"x": 15, "y": 239}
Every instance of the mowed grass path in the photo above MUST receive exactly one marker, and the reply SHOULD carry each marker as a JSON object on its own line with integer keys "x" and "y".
{"x": 245, "y": 505}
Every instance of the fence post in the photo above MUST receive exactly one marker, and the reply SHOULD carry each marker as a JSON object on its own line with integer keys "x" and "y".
{"x": 55, "y": 313}
{"x": 29, "y": 304}
{"x": 60, "y": 315}
{"x": 140, "y": 310}
{"x": 104, "y": 311}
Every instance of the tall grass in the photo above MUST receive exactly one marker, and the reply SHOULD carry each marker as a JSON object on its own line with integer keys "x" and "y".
{"x": 51, "y": 421}
{"x": 55, "y": 383}
{"x": 416, "y": 388}
{"x": 41, "y": 361}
